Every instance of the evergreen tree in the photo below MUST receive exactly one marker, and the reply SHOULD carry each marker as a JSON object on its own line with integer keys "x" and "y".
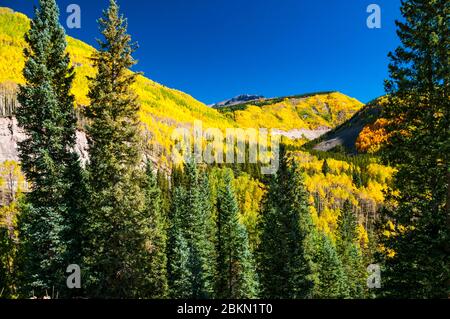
{"x": 347, "y": 225}
{"x": 164, "y": 187}
{"x": 236, "y": 276}
{"x": 198, "y": 233}
{"x": 418, "y": 265}
{"x": 180, "y": 284}
{"x": 285, "y": 260}
{"x": 194, "y": 210}
{"x": 208, "y": 223}
{"x": 179, "y": 272}
{"x": 156, "y": 286}
{"x": 7, "y": 252}
{"x": 356, "y": 178}
{"x": 355, "y": 271}
{"x": 117, "y": 255}
{"x": 49, "y": 223}
{"x": 325, "y": 168}
{"x": 331, "y": 280}
{"x": 350, "y": 252}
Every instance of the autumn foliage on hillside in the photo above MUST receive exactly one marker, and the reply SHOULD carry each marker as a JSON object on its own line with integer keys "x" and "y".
{"x": 309, "y": 112}
{"x": 218, "y": 209}
{"x": 162, "y": 109}
{"x": 372, "y": 137}
{"x": 361, "y": 183}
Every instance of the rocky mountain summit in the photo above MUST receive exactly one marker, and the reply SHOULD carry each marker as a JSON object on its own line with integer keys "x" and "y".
{"x": 238, "y": 100}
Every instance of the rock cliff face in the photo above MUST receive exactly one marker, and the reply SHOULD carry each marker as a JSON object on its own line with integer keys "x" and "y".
{"x": 11, "y": 134}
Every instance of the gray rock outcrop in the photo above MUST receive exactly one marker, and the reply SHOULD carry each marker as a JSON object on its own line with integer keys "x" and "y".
{"x": 11, "y": 134}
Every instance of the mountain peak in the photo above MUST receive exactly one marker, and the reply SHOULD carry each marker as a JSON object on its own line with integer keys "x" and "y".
{"x": 238, "y": 100}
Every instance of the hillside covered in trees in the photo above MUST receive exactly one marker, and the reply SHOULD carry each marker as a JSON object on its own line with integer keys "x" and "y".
{"x": 162, "y": 109}
{"x": 227, "y": 231}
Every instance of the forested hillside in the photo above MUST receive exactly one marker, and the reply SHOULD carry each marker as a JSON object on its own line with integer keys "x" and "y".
{"x": 308, "y": 111}
{"x": 163, "y": 109}
{"x": 372, "y": 191}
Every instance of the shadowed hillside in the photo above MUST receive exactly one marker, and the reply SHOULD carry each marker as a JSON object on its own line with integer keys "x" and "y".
{"x": 345, "y": 135}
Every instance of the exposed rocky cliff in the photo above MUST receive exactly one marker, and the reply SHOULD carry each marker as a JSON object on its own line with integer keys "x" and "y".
{"x": 11, "y": 134}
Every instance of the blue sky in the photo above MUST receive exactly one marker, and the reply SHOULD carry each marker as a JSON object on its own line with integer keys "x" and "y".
{"x": 217, "y": 49}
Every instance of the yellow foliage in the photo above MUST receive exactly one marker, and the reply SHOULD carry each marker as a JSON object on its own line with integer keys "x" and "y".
{"x": 363, "y": 237}
{"x": 12, "y": 184}
{"x": 327, "y": 222}
{"x": 326, "y": 110}
{"x": 327, "y": 194}
{"x": 386, "y": 251}
{"x": 249, "y": 194}
{"x": 380, "y": 173}
{"x": 162, "y": 109}
{"x": 11, "y": 178}
{"x": 337, "y": 167}
{"x": 376, "y": 191}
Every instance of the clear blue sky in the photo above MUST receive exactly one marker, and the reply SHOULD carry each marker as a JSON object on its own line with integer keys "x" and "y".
{"x": 216, "y": 49}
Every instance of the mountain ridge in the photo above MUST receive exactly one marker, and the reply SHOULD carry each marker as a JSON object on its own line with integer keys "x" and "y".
{"x": 239, "y": 99}
{"x": 306, "y": 111}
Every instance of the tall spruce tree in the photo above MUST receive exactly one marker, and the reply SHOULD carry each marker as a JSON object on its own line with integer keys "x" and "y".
{"x": 285, "y": 260}
{"x": 163, "y": 183}
{"x": 236, "y": 277}
{"x": 118, "y": 246}
{"x": 195, "y": 215}
{"x": 419, "y": 146}
{"x": 350, "y": 252}
{"x": 331, "y": 281}
{"x": 156, "y": 286}
{"x": 347, "y": 225}
{"x": 50, "y": 219}
{"x": 178, "y": 252}
{"x": 7, "y": 254}
{"x": 325, "y": 168}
